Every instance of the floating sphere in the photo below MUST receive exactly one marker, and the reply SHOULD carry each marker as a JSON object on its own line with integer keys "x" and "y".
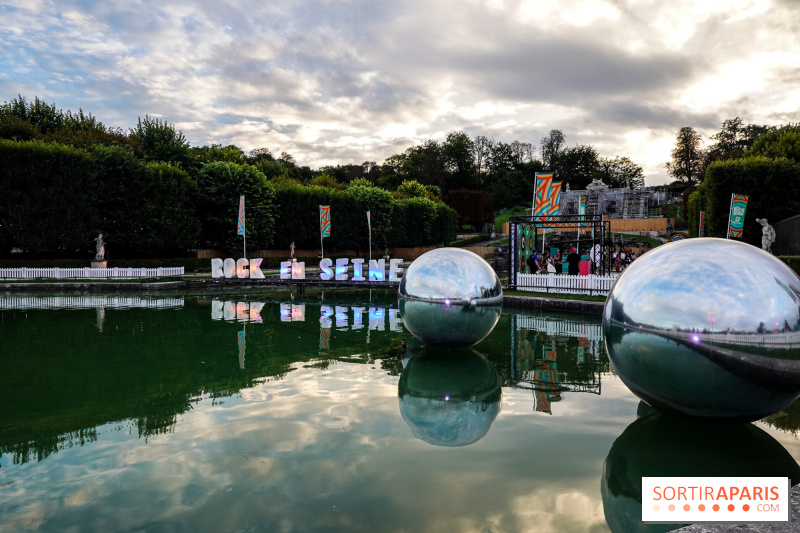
{"x": 450, "y": 297}
{"x": 707, "y": 329}
{"x": 449, "y": 398}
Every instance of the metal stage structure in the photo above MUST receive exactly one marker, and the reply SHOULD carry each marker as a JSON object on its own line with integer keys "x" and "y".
{"x": 557, "y": 231}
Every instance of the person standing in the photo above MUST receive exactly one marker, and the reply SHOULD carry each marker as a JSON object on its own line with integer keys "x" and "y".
{"x": 574, "y": 261}
{"x": 533, "y": 262}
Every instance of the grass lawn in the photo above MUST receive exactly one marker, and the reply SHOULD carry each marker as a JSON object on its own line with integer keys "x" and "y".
{"x": 640, "y": 238}
{"x": 513, "y": 212}
{"x": 556, "y": 295}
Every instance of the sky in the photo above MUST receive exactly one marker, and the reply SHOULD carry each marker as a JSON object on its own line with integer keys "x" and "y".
{"x": 348, "y": 81}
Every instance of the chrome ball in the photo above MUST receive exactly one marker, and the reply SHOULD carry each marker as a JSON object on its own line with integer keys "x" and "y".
{"x": 707, "y": 329}
{"x": 451, "y": 276}
{"x": 449, "y": 398}
{"x": 450, "y": 297}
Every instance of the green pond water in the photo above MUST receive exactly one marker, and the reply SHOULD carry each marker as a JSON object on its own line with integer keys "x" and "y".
{"x": 262, "y": 412}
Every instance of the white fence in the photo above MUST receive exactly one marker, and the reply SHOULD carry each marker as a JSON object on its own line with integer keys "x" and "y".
{"x": 23, "y": 303}
{"x": 88, "y": 273}
{"x": 565, "y": 283}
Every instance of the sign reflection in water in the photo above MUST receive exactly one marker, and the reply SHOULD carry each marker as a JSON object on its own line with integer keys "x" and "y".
{"x": 554, "y": 356}
{"x": 158, "y": 406}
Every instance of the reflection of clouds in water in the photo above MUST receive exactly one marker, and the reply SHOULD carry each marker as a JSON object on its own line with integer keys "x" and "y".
{"x": 687, "y": 284}
{"x": 272, "y": 455}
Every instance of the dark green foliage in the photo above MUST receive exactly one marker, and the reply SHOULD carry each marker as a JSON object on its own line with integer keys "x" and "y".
{"x": 161, "y": 142}
{"x": 783, "y": 142}
{"x": 172, "y": 222}
{"x": 793, "y": 261}
{"x": 220, "y": 185}
{"x": 773, "y": 186}
{"x": 48, "y": 194}
{"x": 45, "y": 118}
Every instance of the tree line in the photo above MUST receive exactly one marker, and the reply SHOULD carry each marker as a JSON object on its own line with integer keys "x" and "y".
{"x": 760, "y": 161}
{"x": 66, "y": 177}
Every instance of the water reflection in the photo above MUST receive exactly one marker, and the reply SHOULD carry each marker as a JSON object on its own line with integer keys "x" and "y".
{"x": 554, "y": 356}
{"x": 659, "y": 445}
{"x": 454, "y": 326}
{"x": 449, "y": 397}
{"x": 698, "y": 380}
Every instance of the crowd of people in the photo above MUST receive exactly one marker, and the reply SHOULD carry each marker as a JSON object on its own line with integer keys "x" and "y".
{"x": 618, "y": 257}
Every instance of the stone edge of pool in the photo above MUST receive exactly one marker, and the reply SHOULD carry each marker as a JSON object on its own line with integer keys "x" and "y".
{"x": 530, "y": 302}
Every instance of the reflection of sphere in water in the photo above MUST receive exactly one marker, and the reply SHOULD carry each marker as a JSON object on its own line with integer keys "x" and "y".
{"x": 452, "y": 276}
{"x": 448, "y": 325}
{"x": 659, "y": 445}
{"x": 449, "y": 398}
{"x": 707, "y": 329}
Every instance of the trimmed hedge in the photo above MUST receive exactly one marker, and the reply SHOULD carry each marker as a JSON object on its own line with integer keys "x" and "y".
{"x": 793, "y": 261}
{"x": 470, "y": 240}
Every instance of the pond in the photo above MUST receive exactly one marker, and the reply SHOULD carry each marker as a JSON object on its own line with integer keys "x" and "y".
{"x": 267, "y": 412}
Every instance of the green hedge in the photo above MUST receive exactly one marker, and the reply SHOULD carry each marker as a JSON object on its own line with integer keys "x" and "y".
{"x": 773, "y": 187}
{"x": 793, "y": 261}
{"x": 470, "y": 240}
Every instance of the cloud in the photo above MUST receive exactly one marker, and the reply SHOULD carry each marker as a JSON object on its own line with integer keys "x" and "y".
{"x": 348, "y": 81}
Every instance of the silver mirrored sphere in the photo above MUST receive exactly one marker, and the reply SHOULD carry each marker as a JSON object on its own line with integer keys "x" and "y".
{"x": 450, "y": 297}
{"x": 452, "y": 276}
{"x": 449, "y": 398}
{"x": 707, "y": 329}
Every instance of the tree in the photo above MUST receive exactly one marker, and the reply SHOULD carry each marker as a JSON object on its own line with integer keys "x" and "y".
{"x": 734, "y": 139}
{"x": 687, "y": 162}
{"x": 458, "y": 150}
{"x": 217, "y": 152}
{"x": 161, "y": 141}
{"x": 260, "y": 154}
{"x": 577, "y": 166}
{"x": 620, "y": 172}
{"x": 412, "y": 189}
{"x": 782, "y": 142}
{"x": 481, "y": 151}
{"x": 551, "y": 150}
{"x": 687, "y": 158}
{"x": 220, "y": 185}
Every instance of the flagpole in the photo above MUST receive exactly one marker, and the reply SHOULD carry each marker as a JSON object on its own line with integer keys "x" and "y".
{"x": 730, "y": 211}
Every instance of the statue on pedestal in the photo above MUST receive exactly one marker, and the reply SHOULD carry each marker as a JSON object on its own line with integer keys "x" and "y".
{"x": 101, "y": 248}
{"x": 767, "y": 235}
{"x": 291, "y": 250}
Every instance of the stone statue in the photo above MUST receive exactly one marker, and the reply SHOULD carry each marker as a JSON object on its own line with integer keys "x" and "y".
{"x": 101, "y": 248}
{"x": 767, "y": 235}
{"x": 291, "y": 250}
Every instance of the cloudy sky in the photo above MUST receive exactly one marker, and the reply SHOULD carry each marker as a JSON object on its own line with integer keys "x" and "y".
{"x": 345, "y": 81}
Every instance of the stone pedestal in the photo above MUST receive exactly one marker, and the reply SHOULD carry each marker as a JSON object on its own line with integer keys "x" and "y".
{"x": 99, "y": 264}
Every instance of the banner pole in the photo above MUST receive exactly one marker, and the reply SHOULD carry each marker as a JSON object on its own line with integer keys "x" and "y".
{"x": 730, "y": 212}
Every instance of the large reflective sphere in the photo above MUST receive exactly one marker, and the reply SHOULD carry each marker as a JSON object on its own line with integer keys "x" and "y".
{"x": 707, "y": 329}
{"x": 449, "y": 398}
{"x": 451, "y": 276}
{"x": 450, "y": 297}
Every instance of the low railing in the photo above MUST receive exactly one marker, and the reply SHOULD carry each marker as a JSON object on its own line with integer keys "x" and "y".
{"x": 565, "y": 283}
{"x": 89, "y": 273}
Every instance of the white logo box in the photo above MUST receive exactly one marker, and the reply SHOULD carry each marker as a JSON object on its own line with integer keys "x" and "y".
{"x": 673, "y": 500}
